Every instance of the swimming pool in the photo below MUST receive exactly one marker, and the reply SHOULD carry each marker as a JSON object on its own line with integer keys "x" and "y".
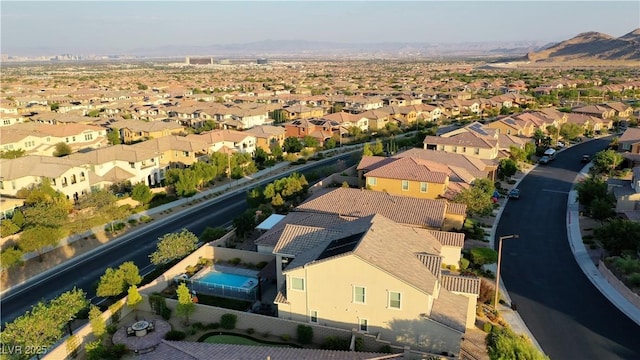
{"x": 234, "y": 280}
{"x": 228, "y": 285}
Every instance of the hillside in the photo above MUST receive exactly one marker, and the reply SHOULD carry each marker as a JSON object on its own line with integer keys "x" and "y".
{"x": 591, "y": 46}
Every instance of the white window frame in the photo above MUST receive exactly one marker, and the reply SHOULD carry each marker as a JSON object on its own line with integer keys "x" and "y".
{"x": 364, "y": 295}
{"x": 312, "y": 314}
{"x": 399, "y": 300}
{"x": 405, "y": 182}
{"x": 362, "y": 322}
{"x": 372, "y": 181}
{"x": 425, "y": 186}
{"x": 302, "y": 282}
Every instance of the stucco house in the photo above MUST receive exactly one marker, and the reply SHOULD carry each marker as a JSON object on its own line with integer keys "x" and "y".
{"x": 413, "y": 177}
{"x": 67, "y": 175}
{"x": 474, "y": 140}
{"x": 267, "y": 136}
{"x": 40, "y": 139}
{"x": 136, "y": 130}
{"x": 302, "y": 112}
{"x": 375, "y": 276}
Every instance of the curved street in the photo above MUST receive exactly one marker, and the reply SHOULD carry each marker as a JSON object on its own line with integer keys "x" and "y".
{"x": 568, "y": 316}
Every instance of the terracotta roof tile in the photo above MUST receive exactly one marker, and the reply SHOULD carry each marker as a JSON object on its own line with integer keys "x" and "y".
{"x": 462, "y": 284}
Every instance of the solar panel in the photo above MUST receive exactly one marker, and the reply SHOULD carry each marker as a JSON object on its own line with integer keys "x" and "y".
{"x": 478, "y": 128}
{"x": 341, "y": 246}
{"x": 510, "y": 121}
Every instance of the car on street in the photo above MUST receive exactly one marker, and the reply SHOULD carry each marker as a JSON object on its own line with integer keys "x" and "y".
{"x": 586, "y": 158}
{"x": 514, "y": 194}
{"x": 544, "y": 160}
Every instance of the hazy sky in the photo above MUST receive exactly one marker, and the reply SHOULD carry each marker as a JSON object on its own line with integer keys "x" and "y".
{"x": 118, "y": 26}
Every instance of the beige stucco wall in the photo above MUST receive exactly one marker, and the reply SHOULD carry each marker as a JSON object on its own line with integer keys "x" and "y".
{"x": 451, "y": 255}
{"x": 628, "y": 202}
{"x": 453, "y": 222}
{"x": 483, "y": 153}
{"x": 394, "y": 186}
{"x": 329, "y": 292}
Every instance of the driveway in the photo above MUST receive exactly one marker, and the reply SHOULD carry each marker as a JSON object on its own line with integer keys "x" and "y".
{"x": 568, "y": 316}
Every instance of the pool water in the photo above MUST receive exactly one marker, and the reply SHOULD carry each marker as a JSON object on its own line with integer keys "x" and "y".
{"x": 234, "y": 280}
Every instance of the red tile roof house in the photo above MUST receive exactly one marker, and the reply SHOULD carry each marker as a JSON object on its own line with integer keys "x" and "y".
{"x": 603, "y": 112}
{"x": 320, "y": 129}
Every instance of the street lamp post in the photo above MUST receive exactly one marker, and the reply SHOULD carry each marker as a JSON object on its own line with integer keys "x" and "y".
{"x": 512, "y": 236}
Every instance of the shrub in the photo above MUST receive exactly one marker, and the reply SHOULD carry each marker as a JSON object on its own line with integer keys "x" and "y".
{"x": 228, "y": 321}
{"x": 145, "y": 219}
{"x": 175, "y": 335}
{"x": 335, "y": 343}
{"x": 285, "y": 337}
{"x": 385, "y": 349}
{"x": 112, "y": 328}
{"x": 503, "y": 343}
{"x": 358, "y": 344}
{"x": 266, "y": 334}
{"x": 235, "y": 261}
{"x": 305, "y": 334}
{"x": 213, "y": 326}
{"x": 95, "y": 350}
{"x": 487, "y": 327}
{"x": 250, "y": 331}
{"x": 464, "y": 263}
{"x": 261, "y": 264}
{"x": 198, "y": 326}
{"x": 634, "y": 279}
{"x": 165, "y": 313}
{"x": 482, "y": 255}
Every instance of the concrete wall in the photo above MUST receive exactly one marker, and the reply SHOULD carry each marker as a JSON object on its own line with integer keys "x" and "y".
{"x": 85, "y": 335}
{"x": 619, "y": 285}
{"x": 226, "y": 254}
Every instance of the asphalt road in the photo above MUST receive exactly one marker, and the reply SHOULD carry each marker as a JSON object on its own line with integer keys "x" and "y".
{"x": 85, "y": 272}
{"x": 568, "y": 316}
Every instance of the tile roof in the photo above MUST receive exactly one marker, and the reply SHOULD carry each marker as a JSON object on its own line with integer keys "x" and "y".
{"x": 36, "y": 165}
{"x": 144, "y": 126}
{"x": 450, "y": 309}
{"x": 476, "y": 167}
{"x": 464, "y": 139}
{"x": 448, "y": 238}
{"x": 266, "y": 131}
{"x": 360, "y": 203}
{"x": 271, "y": 237}
{"x": 463, "y": 284}
{"x": 186, "y": 350}
{"x": 407, "y": 168}
{"x": 173, "y": 142}
{"x": 112, "y": 153}
{"x": 631, "y": 135}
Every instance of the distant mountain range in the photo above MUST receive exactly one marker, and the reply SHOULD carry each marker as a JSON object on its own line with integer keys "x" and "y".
{"x": 586, "y": 45}
{"x": 591, "y": 45}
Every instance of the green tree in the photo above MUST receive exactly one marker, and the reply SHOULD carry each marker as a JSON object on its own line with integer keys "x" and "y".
{"x": 185, "y": 307}
{"x": 142, "y": 193}
{"x": 186, "y": 185}
{"x": 507, "y": 168}
{"x": 277, "y": 201}
{"x": 276, "y": 151}
{"x": 378, "y": 148}
{"x": 602, "y": 208}
{"x": 245, "y": 223}
{"x": 174, "y": 246}
{"x": 571, "y": 131}
{"x": 18, "y": 218}
{"x": 292, "y": 145}
{"x": 590, "y": 189}
{"x": 54, "y": 107}
{"x": 606, "y": 161}
{"x": 517, "y": 153}
{"x": 538, "y": 136}
{"x": 37, "y": 238}
{"x": 329, "y": 144}
{"x": 11, "y": 256}
{"x": 503, "y": 343}
{"x": 98, "y": 325}
{"x": 116, "y": 281}
{"x": 134, "y": 298}
{"x": 311, "y": 142}
{"x": 11, "y": 154}
{"x": 205, "y": 173}
{"x": 113, "y": 136}
{"x": 8, "y": 227}
{"x": 477, "y": 198}
{"x": 62, "y": 149}
{"x": 619, "y": 236}
{"x": 260, "y": 156}
{"x": 366, "y": 150}
{"x": 553, "y": 132}
{"x": 212, "y": 233}
{"x": 255, "y": 197}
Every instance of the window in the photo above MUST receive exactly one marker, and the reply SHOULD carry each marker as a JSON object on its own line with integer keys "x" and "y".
{"x": 372, "y": 181}
{"x": 405, "y": 185}
{"x": 423, "y": 187}
{"x": 297, "y": 284}
{"x": 7, "y": 122}
{"x": 464, "y": 149}
{"x": 476, "y": 151}
{"x": 359, "y": 293}
{"x": 88, "y": 137}
{"x": 394, "y": 300}
{"x": 364, "y": 325}
{"x": 455, "y": 149}
{"x": 313, "y": 316}
{"x": 133, "y": 165}
{"x": 185, "y": 153}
